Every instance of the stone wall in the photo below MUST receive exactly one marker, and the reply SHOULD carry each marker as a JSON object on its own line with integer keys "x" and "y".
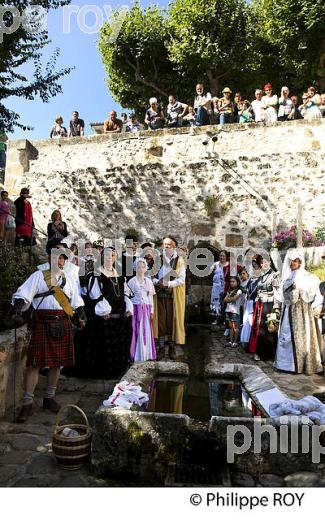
{"x": 12, "y": 366}
{"x": 235, "y": 191}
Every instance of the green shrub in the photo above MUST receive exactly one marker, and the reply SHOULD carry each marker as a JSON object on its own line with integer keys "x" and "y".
{"x": 320, "y": 234}
{"x": 318, "y": 270}
{"x": 14, "y": 269}
{"x": 132, "y": 231}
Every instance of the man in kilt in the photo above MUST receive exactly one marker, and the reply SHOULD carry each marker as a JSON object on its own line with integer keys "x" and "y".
{"x": 54, "y": 299}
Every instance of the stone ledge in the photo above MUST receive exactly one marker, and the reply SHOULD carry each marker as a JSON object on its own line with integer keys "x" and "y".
{"x": 165, "y": 132}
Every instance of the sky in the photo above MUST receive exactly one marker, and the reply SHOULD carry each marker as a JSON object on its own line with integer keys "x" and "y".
{"x": 84, "y": 89}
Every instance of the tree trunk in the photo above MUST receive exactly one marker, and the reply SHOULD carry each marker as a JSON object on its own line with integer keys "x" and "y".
{"x": 213, "y": 83}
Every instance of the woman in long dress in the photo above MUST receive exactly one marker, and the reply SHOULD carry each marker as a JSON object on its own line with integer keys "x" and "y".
{"x": 218, "y": 287}
{"x": 299, "y": 341}
{"x": 262, "y": 342}
{"x": 142, "y": 291}
{"x": 102, "y": 348}
{"x": 249, "y": 305}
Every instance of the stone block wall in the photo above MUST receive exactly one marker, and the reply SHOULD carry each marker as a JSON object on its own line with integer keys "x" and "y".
{"x": 12, "y": 367}
{"x": 234, "y": 192}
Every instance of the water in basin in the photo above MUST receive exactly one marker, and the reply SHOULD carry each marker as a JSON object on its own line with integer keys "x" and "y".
{"x": 200, "y": 399}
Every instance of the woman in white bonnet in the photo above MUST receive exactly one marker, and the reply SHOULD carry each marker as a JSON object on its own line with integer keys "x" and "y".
{"x": 299, "y": 341}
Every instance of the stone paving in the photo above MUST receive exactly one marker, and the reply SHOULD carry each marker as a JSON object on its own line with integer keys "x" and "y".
{"x": 26, "y": 458}
{"x": 294, "y": 385}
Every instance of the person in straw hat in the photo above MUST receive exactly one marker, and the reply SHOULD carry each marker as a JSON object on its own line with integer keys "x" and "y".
{"x": 226, "y": 107}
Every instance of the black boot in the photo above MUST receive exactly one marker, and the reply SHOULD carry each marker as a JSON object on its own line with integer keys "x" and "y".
{"x": 160, "y": 353}
{"x": 50, "y": 404}
{"x": 25, "y": 412}
{"x": 172, "y": 351}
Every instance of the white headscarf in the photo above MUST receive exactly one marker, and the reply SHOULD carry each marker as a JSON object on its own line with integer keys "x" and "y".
{"x": 292, "y": 254}
{"x": 307, "y": 283}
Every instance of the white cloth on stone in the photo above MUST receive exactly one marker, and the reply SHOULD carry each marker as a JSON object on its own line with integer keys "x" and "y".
{"x": 126, "y": 394}
{"x": 309, "y": 406}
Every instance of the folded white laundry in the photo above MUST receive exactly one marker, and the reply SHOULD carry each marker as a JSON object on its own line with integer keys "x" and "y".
{"x": 309, "y": 405}
{"x": 126, "y": 394}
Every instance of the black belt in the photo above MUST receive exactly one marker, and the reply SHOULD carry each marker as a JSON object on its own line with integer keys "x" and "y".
{"x": 44, "y": 294}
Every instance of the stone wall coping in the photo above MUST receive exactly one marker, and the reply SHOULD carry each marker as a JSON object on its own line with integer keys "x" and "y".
{"x": 165, "y": 132}
{"x": 253, "y": 379}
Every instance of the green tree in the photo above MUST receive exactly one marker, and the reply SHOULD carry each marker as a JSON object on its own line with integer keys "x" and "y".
{"x": 18, "y": 48}
{"x": 219, "y": 42}
{"x": 160, "y": 52}
{"x": 289, "y": 41}
{"x": 136, "y": 62}
{"x": 208, "y": 40}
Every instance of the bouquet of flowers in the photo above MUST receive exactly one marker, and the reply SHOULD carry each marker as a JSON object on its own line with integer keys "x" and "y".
{"x": 272, "y": 322}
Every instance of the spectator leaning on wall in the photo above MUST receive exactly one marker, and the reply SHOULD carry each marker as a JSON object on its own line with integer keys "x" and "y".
{"x": 76, "y": 125}
{"x": 202, "y": 105}
{"x": 113, "y": 124}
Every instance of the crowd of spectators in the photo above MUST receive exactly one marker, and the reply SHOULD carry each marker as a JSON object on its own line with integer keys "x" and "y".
{"x": 206, "y": 109}
{"x": 76, "y": 127}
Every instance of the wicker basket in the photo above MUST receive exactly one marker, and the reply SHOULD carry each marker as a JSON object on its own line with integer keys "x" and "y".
{"x": 72, "y": 452}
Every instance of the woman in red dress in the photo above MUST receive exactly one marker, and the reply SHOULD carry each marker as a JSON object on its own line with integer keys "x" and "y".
{"x": 24, "y": 219}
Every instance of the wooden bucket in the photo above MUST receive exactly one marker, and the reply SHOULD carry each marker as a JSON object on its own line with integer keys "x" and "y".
{"x": 72, "y": 452}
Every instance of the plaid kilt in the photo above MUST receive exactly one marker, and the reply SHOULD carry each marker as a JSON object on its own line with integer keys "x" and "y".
{"x": 45, "y": 351}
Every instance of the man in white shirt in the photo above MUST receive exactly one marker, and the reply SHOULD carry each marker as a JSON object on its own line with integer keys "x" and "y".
{"x": 55, "y": 300}
{"x": 202, "y": 105}
{"x": 170, "y": 303}
{"x": 256, "y": 105}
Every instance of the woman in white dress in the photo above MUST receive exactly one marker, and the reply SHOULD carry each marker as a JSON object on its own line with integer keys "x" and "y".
{"x": 142, "y": 291}
{"x": 299, "y": 341}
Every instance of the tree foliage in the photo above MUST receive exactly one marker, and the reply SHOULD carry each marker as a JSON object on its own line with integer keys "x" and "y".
{"x": 137, "y": 63}
{"x": 208, "y": 39}
{"x": 289, "y": 40}
{"x": 16, "y": 50}
{"x": 220, "y": 42}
